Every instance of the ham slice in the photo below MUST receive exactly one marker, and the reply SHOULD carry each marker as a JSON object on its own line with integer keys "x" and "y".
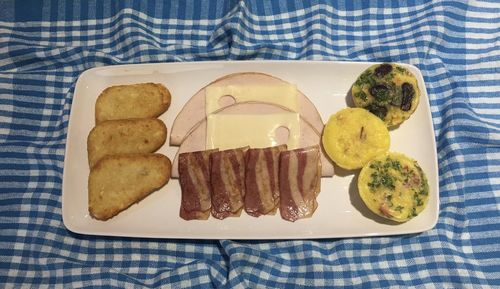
{"x": 194, "y": 178}
{"x": 194, "y": 110}
{"x": 300, "y": 175}
{"x": 262, "y": 182}
{"x": 227, "y": 177}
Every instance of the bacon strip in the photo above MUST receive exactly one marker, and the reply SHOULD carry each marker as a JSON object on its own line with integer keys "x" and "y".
{"x": 300, "y": 176}
{"x": 262, "y": 182}
{"x": 194, "y": 178}
{"x": 227, "y": 174}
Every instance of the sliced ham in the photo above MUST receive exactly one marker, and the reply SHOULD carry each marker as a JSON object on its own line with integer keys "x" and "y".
{"x": 262, "y": 180}
{"x": 227, "y": 177}
{"x": 194, "y": 178}
{"x": 194, "y": 110}
{"x": 300, "y": 174}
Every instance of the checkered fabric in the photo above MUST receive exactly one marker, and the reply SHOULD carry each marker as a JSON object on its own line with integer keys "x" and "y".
{"x": 45, "y": 45}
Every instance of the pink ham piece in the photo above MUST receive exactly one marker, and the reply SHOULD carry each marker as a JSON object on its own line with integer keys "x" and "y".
{"x": 262, "y": 181}
{"x": 300, "y": 176}
{"x": 227, "y": 177}
{"x": 194, "y": 110}
{"x": 194, "y": 178}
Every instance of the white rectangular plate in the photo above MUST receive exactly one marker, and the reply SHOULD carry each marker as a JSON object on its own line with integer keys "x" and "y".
{"x": 341, "y": 212}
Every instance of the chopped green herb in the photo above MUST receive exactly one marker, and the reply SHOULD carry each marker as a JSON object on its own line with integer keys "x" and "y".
{"x": 366, "y": 78}
{"x": 424, "y": 191}
{"x": 388, "y": 181}
{"x": 417, "y": 199}
{"x": 408, "y": 175}
{"x": 382, "y": 178}
{"x": 390, "y": 76}
{"x": 399, "y": 208}
{"x": 401, "y": 69}
{"x": 375, "y": 165}
{"x": 396, "y": 165}
{"x": 361, "y": 95}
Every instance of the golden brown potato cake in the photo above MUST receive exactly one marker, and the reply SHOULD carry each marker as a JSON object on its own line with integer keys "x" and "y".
{"x": 118, "y": 181}
{"x": 125, "y": 136}
{"x": 143, "y": 100}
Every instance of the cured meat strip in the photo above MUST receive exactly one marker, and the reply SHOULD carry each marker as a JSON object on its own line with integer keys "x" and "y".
{"x": 227, "y": 177}
{"x": 300, "y": 175}
{"x": 194, "y": 178}
{"x": 262, "y": 182}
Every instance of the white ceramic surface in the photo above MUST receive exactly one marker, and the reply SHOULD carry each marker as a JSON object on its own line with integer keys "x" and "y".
{"x": 341, "y": 212}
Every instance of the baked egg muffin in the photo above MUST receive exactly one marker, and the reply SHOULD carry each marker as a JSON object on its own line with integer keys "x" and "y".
{"x": 394, "y": 186}
{"x": 353, "y": 136}
{"x": 387, "y": 90}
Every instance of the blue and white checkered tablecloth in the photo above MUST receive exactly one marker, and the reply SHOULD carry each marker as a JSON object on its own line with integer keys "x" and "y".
{"x": 45, "y": 45}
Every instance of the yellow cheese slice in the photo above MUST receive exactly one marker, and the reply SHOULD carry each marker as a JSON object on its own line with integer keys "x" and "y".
{"x": 284, "y": 95}
{"x": 226, "y": 131}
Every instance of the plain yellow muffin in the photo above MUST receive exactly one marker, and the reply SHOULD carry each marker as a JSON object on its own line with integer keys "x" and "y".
{"x": 353, "y": 136}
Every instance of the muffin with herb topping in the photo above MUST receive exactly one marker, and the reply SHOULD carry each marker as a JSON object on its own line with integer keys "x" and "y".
{"x": 394, "y": 186}
{"x": 387, "y": 90}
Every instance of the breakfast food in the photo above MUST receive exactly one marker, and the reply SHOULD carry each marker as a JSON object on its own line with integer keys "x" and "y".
{"x": 262, "y": 180}
{"x": 194, "y": 171}
{"x": 394, "y": 186}
{"x": 270, "y": 116}
{"x": 259, "y": 180}
{"x": 125, "y": 136}
{"x": 123, "y": 168}
{"x": 144, "y": 100}
{"x": 227, "y": 177}
{"x": 221, "y": 114}
{"x": 300, "y": 177}
{"x": 243, "y": 88}
{"x": 353, "y": 136}
{"x": 389, "y": 91}
{"x": 118, "y": 181}
{"x": 306, "y": 134}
